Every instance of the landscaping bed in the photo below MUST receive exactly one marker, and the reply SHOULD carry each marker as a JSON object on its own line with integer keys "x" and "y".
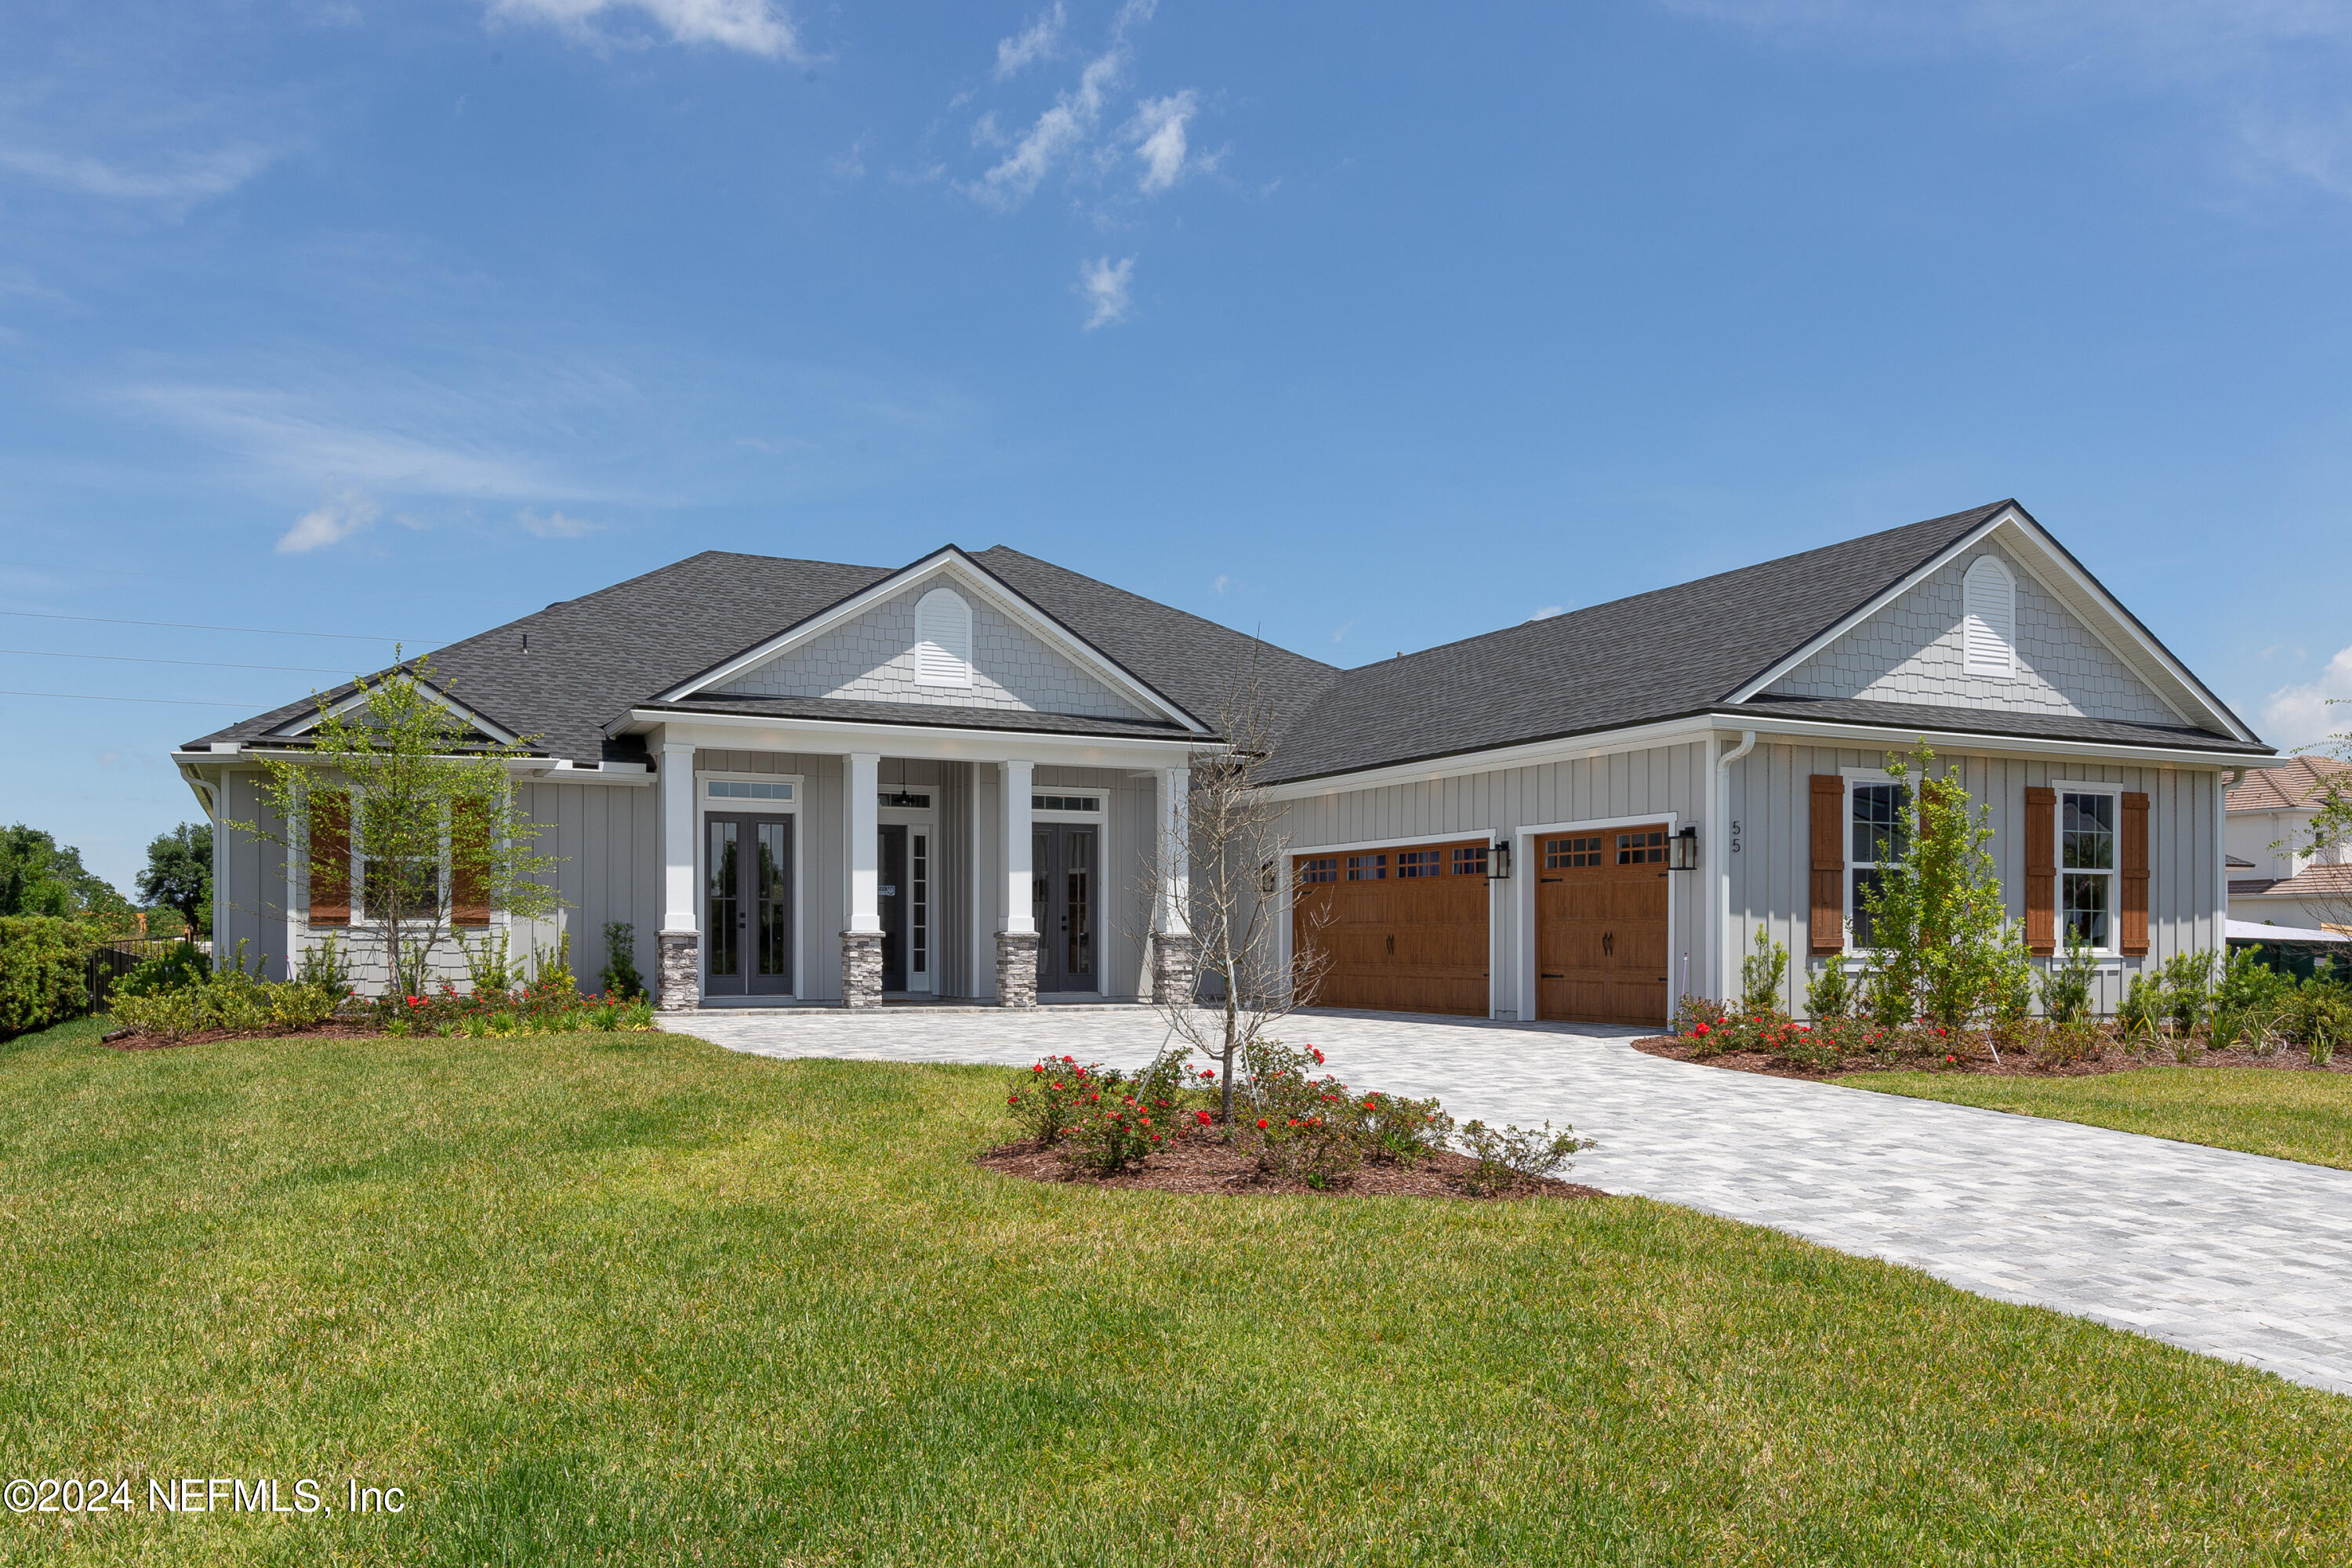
{"x": 1205, "y": 1165}
{"x": 1973, "y": 1056}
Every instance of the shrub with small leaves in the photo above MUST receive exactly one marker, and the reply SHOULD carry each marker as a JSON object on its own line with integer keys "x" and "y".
{"x": 1117, "y": 1124}
{"x": 1048, "y": 1098}
{"x": 1515, "y": 1157}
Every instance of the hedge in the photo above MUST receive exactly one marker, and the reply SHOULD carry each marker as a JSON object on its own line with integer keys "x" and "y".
{"x": 43, "y": 970}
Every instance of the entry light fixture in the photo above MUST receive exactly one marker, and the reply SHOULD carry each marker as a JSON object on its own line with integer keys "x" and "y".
{"x": 1498, "y": 860}
{"x": 1682, "y": 852}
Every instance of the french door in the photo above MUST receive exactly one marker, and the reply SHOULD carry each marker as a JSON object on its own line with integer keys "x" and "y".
{"x": 747, "y": 906}
{"x": 1064, "y": 903}
{"x": 903, "y": 895}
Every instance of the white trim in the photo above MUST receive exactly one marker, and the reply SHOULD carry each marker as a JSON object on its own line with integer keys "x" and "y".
{"x": 1523, "y": 871}
{"x": 439, "y": 699}
{"x": 927, "y": 742}
{"x": 703, "y": 807}
{"x": 1850, "y": 777}
{"x": 1865, "y": 737}
{"x": 1532, "y": 754}
{"x": 953, "y": 563}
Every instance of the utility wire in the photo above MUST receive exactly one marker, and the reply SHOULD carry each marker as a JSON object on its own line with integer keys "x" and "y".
{"x": 193, "y": 663}
{"x": 192, "y": 627}
{"x": 166, "y": 701}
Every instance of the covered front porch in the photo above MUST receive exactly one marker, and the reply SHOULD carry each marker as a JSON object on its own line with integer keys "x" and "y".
{"x": 805, "y": 864}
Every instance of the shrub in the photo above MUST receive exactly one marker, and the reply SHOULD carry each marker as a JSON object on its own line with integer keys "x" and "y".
{"x": 1830, "y": 992}
{"x": 233, "y": 999}
{"x": 1762, "y": 973}
{"x": 1048, "y": 1098}
{"x": 555, "y": 973}
{"x": 43, "y": 970}
{"x": 620, "y": 977}
{"x": 2319, "y": 1016}
{"x": 2066, "y": 987}
{"x": 2063, "y": 1044}
{"x": 182, "y": 963}
{"x": 1404, "y": 1130}
{"x": 488, "y": 964}
{"x": 1119, "y": 1124}
{"x": 2187, "y": 981}
{"x": 2142, "y": 1007}
{"x": 1516, "y": 1157}
{"x": 326, "y": 966}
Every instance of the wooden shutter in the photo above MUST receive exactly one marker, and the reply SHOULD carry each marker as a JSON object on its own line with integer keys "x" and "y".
{"x": 1827, "y": 919}
{"x": 2135, "y": 873}
{"x": 469, "y": 897}
{"x": 2041, "y": 868}
{"x": 331, "y": 859}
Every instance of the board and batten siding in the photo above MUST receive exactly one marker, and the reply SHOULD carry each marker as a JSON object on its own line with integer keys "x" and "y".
{"x": 1652, "y": 783}
{"x": 1767, "y": 811}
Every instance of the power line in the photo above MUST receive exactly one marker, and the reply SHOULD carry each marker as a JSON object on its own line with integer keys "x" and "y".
{"x": 192, "y": 627}
{"x": 192, "y": 663}
{"x": 166, "y": 701}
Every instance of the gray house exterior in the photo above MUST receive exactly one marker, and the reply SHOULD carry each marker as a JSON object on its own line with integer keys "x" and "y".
{"x": 806, "y": 783}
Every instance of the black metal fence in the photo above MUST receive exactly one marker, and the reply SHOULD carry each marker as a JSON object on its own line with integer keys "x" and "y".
{"x": 111, "y": 962}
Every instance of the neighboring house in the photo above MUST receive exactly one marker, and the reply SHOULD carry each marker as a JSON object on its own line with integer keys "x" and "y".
{"x": 2277, "y": 877}
{"x": 819, "y": 782}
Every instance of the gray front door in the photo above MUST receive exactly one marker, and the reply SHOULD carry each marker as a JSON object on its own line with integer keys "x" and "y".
{"x": 1065, "y": 904}
{"x": 747, "y": 906}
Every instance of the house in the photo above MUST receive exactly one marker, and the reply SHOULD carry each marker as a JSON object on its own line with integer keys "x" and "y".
{"x": 2277, "y": 876}
{"x": 806, "y": 781}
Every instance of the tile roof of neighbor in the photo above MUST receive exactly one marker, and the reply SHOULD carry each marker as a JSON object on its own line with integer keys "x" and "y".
{"x": 2299, "y": 781}
{"x": 2311, "y": 882}
{"x": 1665, "y": 654}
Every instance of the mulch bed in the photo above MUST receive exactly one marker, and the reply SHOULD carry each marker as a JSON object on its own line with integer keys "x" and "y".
{"x": 1208, "y": 1166}
{"x": 131, "y": 1040}
{"x": 2013, "y": 1064}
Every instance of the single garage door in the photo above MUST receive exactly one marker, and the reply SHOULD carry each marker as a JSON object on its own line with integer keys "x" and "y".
{"x": 1600, "y": 926}
{"x": 1405, "y": 929}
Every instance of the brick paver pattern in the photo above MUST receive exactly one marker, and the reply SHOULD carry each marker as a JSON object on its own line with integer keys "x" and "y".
{"x": 2231, "y": 1255}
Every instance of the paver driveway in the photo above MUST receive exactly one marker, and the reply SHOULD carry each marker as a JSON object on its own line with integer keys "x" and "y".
{"x": 2233, "y": 1254}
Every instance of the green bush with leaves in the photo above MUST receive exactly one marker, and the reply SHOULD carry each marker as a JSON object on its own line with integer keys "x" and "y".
{"x": 1940, "y": 933}
{"x": 43, "y": 970}
{"x": 620, "y": 977}
{"x": 2318, "y": 1016}
{"x": 1762, "y": 973}
{"x": 1512, "y": 1158}
{"x": 2066, "y": 985}
{"x": 232, "y": 999}
{"x": 2141, "y": 1012}
{"x": 1829, "y": 991}
{"x": 182, "y": 963}
{"x": 2189, "y": 981}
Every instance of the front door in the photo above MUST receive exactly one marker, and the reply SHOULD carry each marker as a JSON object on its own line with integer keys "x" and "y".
{"x": 1062, "y": 873}
{"x": 747, "y": 906}
{"x": 1600, "y": 926}
{"x": 903, "y": 899}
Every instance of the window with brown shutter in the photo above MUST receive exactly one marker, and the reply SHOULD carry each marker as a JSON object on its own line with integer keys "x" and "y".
{"x": 2041, "y": 868}
{"x": 1827, "y": 927}
{"x": 331, "y": 859}
{"x": 2135, "y": 873}
{"x": 469, "y": 897}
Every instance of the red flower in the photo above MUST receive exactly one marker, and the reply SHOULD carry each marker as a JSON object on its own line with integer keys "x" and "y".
{"x": 1700, "y": 1030}
{"x": 1039, "y": 1068}
{"x": 1261, "y": 1122}
{"x": 1069, "y": 1058}
{"x": 1204, "y": 1116}
{"x": 1012, "y": 1100}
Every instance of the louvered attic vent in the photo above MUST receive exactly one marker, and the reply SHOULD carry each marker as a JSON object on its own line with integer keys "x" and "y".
{"x": 942, "y": 639}
{"x": 1990, "y": 634}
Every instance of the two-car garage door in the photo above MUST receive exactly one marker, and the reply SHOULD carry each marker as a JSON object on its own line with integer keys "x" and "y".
{"x": 1405, "y": 929}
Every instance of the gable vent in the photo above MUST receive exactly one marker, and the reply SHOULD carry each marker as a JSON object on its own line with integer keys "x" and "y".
{"x": 1990, "y": 627}
{"x": 942, "y": 639}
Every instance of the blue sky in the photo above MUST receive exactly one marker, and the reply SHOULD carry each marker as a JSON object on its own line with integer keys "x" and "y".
{"x": 1361, "y": 326}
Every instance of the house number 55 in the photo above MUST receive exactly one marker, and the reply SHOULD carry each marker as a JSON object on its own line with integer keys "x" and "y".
{"x": 1735, "y": 839}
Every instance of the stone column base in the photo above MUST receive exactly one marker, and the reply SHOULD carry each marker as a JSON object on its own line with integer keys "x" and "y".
{"x": 678, "y": 987}
{"x": 861, "y": 969}
{"x": 1175, "y": 968}
{"x": 1016, "y": 969}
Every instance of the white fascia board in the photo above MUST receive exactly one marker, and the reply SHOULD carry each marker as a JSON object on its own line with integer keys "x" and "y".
{"x": 947, "y": 562}
{"x": 1667, "y": 732}
{"x": 440, "y": 699}
{"x": 828, "y": 736}
{"x": 1902, "y": 739}
{"x": 2029, "y": 540}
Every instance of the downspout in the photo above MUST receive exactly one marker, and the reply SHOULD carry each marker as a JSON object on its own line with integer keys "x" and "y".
{"x": 1719, "y": 829}
{"x": 2230, "y": 779}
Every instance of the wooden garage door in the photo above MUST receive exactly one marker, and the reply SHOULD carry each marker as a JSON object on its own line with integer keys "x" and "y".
{"x": 1600, "y": 926}
{"x": 1405, "y": 929}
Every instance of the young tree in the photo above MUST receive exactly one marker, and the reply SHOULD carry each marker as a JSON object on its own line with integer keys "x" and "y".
{"x": 1238, "y": 901}
{"x": 179, "y": 874}
{"x": 1942, "y": 944}
{"x": 427, "y": 805}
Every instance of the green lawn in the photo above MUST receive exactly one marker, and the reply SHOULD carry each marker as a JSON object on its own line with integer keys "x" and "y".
{"x": 633, "y": 1298}
{"x": 2304, "y": 1116}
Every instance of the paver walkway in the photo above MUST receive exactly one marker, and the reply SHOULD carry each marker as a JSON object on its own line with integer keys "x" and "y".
{"x": 2233, "y": 1254}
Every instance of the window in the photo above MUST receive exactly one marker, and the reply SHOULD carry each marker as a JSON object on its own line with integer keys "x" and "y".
{"x": 1417, "y": 863}
{"x": 732, "y": 789}
{"x": 942, "y": 639}
{"x": 1470, "y": 860}
{"x": 2086, "y": 867}
{"x": 1990, "y": 625}
{"x": 1367, "y": 868}
{"x": 1322, "y": 869}
{"x": 1066, "y": 803}
{"x": 1641, "y": 848}
{"x": 1880, "y": 814}
{"x": 1562, "y": 853}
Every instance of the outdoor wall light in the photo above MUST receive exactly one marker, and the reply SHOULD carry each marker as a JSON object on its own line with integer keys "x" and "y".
{"x": 1681, "y": 854}
{"x": 1498, "y": 860}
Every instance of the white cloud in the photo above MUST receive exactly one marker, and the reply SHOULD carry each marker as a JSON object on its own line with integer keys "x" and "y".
{"x": 1157, "y": 132}
{"x": 182, "y": 179}
{"x": 1103, "y": 283}
{"x": 2302, "y": 715}
{"x": 850, "y": 165}
{"x": 1547, "y": 612}
{"x": 1033, "y": 42}
{"x": 555, "y": 525}
{"x": 1063, "y": 130}
{"x": 753, "y": 27}
{"x": 1220, "y": 584}
{"x": 337, "y": 517}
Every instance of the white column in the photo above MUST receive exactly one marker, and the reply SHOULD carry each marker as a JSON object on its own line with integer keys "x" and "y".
{"x": 1019, "y": 915}
{"x": 1175, "y": 852}
{"x": 679, "y": 906}
{"x": 864, "y": 846}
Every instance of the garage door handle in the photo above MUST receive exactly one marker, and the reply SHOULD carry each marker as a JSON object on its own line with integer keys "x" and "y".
{"x": 1392, "y": 944}
{"x": 1548, "y": 975}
